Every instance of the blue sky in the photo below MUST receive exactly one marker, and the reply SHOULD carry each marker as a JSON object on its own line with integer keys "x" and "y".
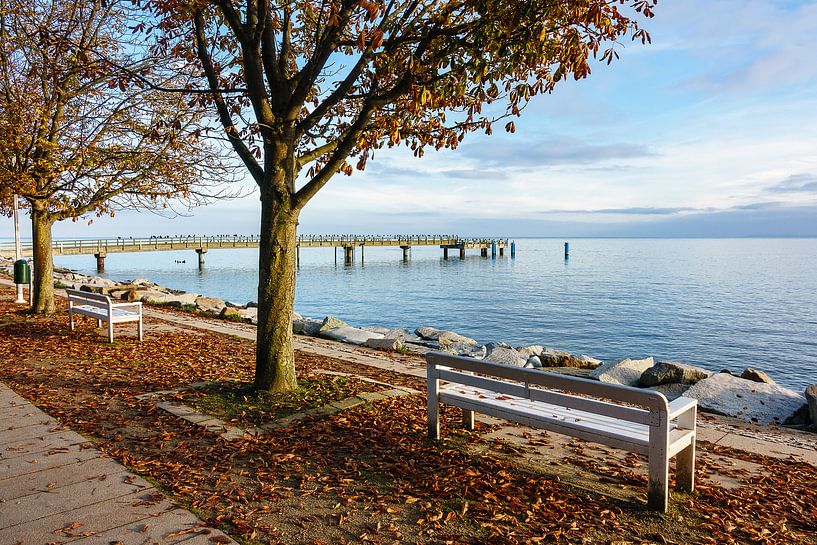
{"x": 709, "y": 131}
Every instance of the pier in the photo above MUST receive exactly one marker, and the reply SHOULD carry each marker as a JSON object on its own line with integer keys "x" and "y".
{"x": 100, "y": 248}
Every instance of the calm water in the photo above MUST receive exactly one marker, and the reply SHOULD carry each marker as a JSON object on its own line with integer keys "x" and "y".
{"x": 718, "y": 303}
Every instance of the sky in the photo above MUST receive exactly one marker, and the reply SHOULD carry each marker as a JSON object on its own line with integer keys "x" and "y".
{"x": 711, "y": 130}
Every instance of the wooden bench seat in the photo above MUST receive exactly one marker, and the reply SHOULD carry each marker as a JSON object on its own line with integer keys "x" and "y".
{"x": 632, "y": 419}
{"x": 103, "y": 309}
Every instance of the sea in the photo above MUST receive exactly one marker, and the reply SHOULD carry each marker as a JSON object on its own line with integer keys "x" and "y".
{"x": 716, "y": 303}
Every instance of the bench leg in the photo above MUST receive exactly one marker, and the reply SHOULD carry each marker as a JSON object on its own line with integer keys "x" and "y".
{"x": 685, "y": 460}
{"x": 110, "y": 331}
{"x": 141, "y": 334}
{"x": 99, "y": 323}
{"x": 468, "y": 419}
{"x": 71, "y": 318}
{"x": 433, "y": 408}
{"x": 658, "y": 487}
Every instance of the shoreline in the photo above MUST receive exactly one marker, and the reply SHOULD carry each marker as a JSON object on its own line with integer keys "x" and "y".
{"x": 759, "y": 398}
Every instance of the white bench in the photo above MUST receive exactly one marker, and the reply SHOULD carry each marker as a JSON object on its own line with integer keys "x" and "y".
{"x": 628, "y": 418}
{"x": 103, "y": 309}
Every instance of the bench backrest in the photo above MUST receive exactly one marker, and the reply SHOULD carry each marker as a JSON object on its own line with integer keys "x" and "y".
{"x": 459, "y": 369}
{"x": 88, "y": 298}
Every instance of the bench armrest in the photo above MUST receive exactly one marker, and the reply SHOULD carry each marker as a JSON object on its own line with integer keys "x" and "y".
{"x": 681, "y": 405}
{"x": 135, "y": 305}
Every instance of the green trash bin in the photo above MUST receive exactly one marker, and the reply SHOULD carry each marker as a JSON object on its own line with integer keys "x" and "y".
{"x": 22, "y": 272}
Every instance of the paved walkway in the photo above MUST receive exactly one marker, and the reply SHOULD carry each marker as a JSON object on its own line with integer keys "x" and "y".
{"x": 55, "y": 487}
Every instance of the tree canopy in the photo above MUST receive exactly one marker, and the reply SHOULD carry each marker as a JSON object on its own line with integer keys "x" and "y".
{"x": 306, "y": 89}
{"x": 79, "y": 134}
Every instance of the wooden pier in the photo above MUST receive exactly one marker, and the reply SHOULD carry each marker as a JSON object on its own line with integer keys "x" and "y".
{"x": 100, "y": 248}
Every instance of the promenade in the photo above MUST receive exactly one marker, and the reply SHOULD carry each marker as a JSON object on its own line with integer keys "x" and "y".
{"x": 55, "y": 487}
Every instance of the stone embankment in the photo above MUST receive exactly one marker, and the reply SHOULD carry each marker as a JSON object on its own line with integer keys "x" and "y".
{"x": 752, "y": 395}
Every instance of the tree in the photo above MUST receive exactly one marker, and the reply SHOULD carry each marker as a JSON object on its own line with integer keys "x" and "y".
{"x": 79, "y": 134}
{"x": 305, "y": 88}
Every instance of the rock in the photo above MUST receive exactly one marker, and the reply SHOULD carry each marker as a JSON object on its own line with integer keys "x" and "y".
{"x": 306, "y": 326}
{"x": 377, "y": 329}
{"x": 148, "y": 296}
{"x": 401, "y": 334}
{"x": 551, "y": 357}
{"x": 811, "y": 397}
{"x": 626, "y": 371}
{"x": 434, "y": 334}
{"x": 505, "y": 356}
{"x": 464, "y": 349}
{"x": 533, "y": 362}
{"x": 392, "y": 345}
{"x": 490, "y": 346}
{"x": 250, "y": 314}
{"x": 233, "y": 304}
{"x": 799, "y": 418}
{"x": 141, "y": 282}
{"x": 671, "y": 390}
{"x": 528, "y": 351}
{"x": 180, "y": 299}
{"x": 204, "y": 303}
{"x": 119, "y": 294}
{"x": 349, "y": 334}
{"x": 756, "y": 401}
{"x": 230, "y": 312}
{"x": 756, "y": 376}
{"x": 296, "y": 316}
{"x": 672, "y": 372}
{"x": 330, "y": 322}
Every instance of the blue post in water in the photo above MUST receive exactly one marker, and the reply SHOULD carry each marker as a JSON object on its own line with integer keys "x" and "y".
{"x": 493, "y": 249}
{"x": 567, "y": 250}
{"x": 513, "y": 248}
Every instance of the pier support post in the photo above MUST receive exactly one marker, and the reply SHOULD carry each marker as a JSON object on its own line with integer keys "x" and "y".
{"x": 348, "y": 255}
{"x": 483, "y": 252}
{"x": 298, "y": 255}
{"x": 362, "y": 257}
{"x": 493, "y": 249}
{"x": 513, "y": 248}
{"x": 100, "y": 261}
{"x": 567, "y": 250}
{"x": 445, "y": 253}
{"x": 201, "y": 252}
{"x": 462, "y": 252}
{"x": 501, "y": 251}
{"x": 406, "y": 252}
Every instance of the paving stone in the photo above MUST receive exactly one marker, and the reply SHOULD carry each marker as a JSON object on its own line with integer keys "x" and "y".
{"x": 372, "y": 396}
{"x": 23, "y": 465}
{"x": 37, "y": 445}
{"x": 347, "y": 403}
{"x": 50, "y": 479}
{"x": 157, "y": 531}
{"x": 97, "y": 518}
{"x": 20, "y": 419}
{"x": 66, "y": 498}
{"x": 197, "y": 418}
{"x": 18, "y": 433}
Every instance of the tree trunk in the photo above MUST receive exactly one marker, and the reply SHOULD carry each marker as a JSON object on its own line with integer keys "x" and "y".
{"x": 275, "y": 357}
{"x": 43, "y": 272}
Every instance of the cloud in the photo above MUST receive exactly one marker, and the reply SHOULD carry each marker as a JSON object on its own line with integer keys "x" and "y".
{"x": 564, "y": 151}
{"x": 796, "y": 183}
{"x": 634, "y": 211}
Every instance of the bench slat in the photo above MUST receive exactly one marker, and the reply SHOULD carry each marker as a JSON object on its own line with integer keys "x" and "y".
{"x": 554, "y": 412}
{"x": 630, "y": 414}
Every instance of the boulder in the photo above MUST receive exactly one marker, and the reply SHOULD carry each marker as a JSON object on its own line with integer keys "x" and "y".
{"x": 505, "y": 356}
{"x": 672, "y": 372}
{"x": 141, "y": 282}
{"x": 296, "y": 316}
{"x": 377, "y": 329}
{"x": 250, "y": 314}
{"x": 349, "y": 334}
{"x": 330, "y": 322}
{"x": 756, "y": 376}
{"x": 119, "y": 294}
{"x": 531, "y": 350}
{"x": 434, "y": 334}
{"x": 559, "y": 358}
{"x": 811, "y": 398}
{"x": 756, "y": 401}
{"x": 464, "y": 349}
{"x": 204, "y": 303}
{"x": 230, "y": 312}
{"x": 533, "y": 362}
{"x": 490, "y": 346}
{"x": 671, "y": 390}
{"x": 306, "y": 326}
{"x": 180, "y": 299}
{"x": 392, "y": 345}
{"x": 251, "y": 304}
{"x": 148, "y": 296}
{"x": 626, "y": 371}
{"x": 401, "y": 334}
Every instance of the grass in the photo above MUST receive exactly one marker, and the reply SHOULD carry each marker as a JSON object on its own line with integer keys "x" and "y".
{"x": 237, "y": 402}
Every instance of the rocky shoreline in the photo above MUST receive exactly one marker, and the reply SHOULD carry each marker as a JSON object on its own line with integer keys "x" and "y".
{"x": 751, "y": 395}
